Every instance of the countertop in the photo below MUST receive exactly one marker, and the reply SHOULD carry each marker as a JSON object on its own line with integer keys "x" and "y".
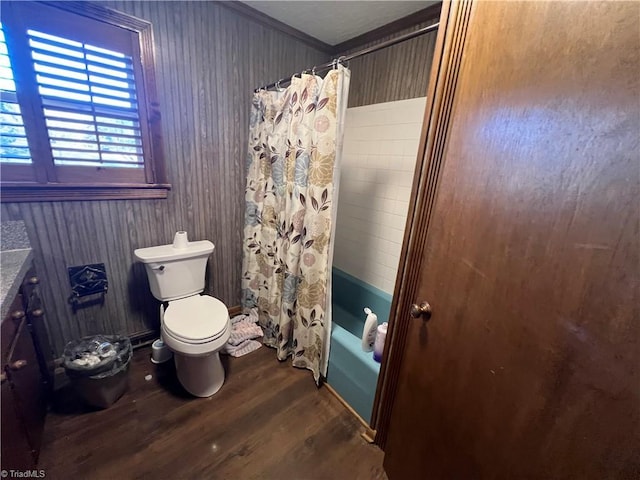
{"x": 15, "y": 260}
{"x": 14, "y": 265}
{"x": 13, "y": 235}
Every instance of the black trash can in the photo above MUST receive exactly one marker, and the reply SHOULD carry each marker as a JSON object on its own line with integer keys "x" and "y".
{"x": 98, "y": 367}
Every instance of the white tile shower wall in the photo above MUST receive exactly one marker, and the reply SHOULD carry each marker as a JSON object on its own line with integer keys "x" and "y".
{"x": 379, "y": 157}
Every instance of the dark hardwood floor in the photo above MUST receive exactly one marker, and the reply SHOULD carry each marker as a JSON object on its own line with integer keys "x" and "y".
{"x": 268, "y": 421}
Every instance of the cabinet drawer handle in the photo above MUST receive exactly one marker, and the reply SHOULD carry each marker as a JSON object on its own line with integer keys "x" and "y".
{"x": 38, "y": 312}
{"x": 18, "y": 364}
{"x": 18, "y": 315}
{"x": 33, "y": 281}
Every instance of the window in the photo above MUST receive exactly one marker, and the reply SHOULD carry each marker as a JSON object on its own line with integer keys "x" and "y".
{"x": 78, "y": 115}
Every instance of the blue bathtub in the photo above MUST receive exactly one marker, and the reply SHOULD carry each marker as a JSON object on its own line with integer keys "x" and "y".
{"x": 352, "y": 372}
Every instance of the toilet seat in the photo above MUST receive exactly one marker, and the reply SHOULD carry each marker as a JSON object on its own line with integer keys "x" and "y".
{"x": 196, "y": 320}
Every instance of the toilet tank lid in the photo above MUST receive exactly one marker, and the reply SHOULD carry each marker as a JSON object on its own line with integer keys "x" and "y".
{"x": 166, "y": 253}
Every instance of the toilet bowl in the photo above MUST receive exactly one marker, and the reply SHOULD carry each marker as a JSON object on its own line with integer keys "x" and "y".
{"x": 195, "y": 329}
{"x": 194, "y": 326}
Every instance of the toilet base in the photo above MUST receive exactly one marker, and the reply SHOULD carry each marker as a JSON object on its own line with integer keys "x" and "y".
{"x": 202, "y": 375}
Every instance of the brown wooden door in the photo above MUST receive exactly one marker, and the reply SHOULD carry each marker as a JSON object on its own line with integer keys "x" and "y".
{"x": 530, "y": 364}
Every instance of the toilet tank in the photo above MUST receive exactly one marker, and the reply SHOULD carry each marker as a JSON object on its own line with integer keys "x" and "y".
{"x": 175, "y": 272}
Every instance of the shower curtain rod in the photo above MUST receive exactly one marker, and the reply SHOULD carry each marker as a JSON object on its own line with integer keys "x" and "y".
{"x": 359, "y": 53}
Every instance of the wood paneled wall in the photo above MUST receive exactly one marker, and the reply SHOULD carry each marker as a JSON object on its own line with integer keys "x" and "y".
{"x": 394, "y": 73}
{"x": 208, "y": 61}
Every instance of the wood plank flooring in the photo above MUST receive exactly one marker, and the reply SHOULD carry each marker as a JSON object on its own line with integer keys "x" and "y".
{"x": 268, "y": 421}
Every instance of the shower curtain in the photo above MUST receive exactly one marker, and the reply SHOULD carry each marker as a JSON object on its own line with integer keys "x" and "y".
{"x": 295, "y": 141}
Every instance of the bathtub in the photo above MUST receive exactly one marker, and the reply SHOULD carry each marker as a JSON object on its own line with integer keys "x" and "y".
{"x": 353, "y": 373}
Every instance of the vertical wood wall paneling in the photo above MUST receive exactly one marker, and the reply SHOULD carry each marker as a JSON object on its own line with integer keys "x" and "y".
{"x": 208, "y": 59}
{"x": 394, "y": 73}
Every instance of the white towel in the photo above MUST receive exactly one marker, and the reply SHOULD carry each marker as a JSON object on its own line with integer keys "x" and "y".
{"x": 245, "y": 347}
{"x": 251, "y": 317}
{"x": 244, "y": 329}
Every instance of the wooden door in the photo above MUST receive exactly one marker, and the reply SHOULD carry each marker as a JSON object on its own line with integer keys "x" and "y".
{"x": 526, "y": 247}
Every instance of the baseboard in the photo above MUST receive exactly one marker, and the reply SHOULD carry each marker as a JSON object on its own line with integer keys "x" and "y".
{"x": 143, "y": 339}
{"x": 233, "y": 311}
{"x": 369, "y": 434}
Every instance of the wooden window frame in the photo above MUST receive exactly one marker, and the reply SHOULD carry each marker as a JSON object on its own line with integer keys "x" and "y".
{"x": 24, "y": 189}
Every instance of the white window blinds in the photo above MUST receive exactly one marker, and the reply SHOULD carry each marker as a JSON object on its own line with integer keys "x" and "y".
{"x": 14, "y": 148}
{"x": 89, "y": 102}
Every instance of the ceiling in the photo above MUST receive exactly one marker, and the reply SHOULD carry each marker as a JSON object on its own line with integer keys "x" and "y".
{"x": 334, "y": 22}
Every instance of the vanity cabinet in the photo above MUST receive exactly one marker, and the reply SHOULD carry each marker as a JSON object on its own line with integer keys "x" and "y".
{"x": 35, "y": 319}
{"x": 16, "y": 451}
{"x": 27, "y": 374}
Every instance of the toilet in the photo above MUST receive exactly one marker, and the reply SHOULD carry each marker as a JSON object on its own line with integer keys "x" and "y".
{"x": 194, "y": 326}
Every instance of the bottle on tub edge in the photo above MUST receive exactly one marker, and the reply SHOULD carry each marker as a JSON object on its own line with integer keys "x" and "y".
{"x": 379, "y": 343}
{"x": 369, "y": 330}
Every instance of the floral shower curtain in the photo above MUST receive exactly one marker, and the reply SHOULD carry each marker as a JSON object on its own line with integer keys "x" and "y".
{"x": 295, "y": 142}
